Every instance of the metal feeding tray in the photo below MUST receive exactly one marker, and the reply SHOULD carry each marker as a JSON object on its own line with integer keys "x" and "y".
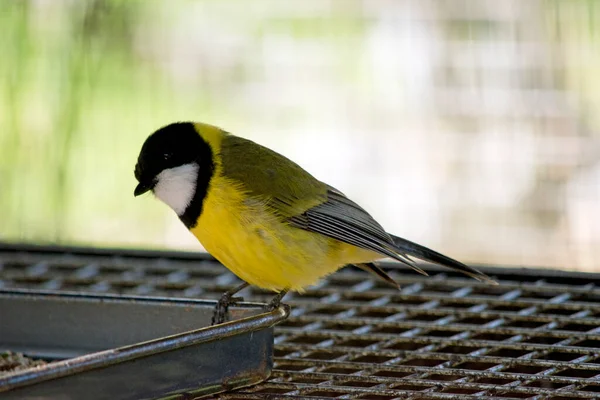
{"x": 128, "y": 347}
{"x": 536, "y": 336}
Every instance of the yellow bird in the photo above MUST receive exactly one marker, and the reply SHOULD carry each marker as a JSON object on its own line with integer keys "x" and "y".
{"x": 262, "y": 216}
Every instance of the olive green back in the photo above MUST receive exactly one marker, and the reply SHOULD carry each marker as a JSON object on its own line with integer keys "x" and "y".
{"x": 271, "y": 177}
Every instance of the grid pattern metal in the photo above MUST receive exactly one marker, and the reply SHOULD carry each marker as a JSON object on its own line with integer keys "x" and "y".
{"x": 536, "y": 336}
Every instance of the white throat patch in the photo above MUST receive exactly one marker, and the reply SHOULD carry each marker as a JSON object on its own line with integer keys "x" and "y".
{"x": 176, "y": 186}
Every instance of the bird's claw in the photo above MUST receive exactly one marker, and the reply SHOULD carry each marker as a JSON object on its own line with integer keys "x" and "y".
{"x": 276, "y": 301}
{"x": 220, "y": 312}
{"x": 272, "y": 305}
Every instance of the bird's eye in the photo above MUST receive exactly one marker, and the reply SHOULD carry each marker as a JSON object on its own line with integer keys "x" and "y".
{"x": 167, "y": 156}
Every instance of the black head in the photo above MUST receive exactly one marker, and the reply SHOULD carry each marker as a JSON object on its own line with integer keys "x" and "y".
{"x": 183, "y": 189}
{"x": 169, "y": 147}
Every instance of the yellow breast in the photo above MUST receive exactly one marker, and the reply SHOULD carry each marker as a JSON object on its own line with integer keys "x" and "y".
{"x": 262, "y": 250}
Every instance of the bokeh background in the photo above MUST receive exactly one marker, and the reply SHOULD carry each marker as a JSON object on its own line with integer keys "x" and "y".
{"x": 471, "y": 126}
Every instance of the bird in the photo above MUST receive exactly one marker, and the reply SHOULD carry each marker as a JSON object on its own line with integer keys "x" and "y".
{"x": 264, "y": 217}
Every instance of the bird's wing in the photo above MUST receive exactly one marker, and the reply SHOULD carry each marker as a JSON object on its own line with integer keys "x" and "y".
{"x": 344, "y": 220}
{"x": 300, "y": 199}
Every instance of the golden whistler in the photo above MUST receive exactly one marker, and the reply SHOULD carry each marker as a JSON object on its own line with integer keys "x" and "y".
{"x": 264, "y": 217}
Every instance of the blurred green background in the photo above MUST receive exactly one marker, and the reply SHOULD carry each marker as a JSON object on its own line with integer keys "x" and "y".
{"x": 470, "y": 126}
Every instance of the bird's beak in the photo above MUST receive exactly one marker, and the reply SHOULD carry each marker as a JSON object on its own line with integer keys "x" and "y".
{"x": 142, "y": 188}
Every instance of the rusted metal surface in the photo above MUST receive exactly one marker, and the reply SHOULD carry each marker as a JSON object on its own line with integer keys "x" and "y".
{"x": 535, "y": 336}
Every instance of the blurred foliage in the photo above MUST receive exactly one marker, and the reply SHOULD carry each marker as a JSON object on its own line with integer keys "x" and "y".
{"x": 72, "y": 88}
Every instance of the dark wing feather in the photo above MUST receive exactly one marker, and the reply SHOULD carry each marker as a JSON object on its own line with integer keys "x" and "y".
{"x": 344, "y": 220}
{"x": 375, "y": 270}
{"x": 424, "y": 253}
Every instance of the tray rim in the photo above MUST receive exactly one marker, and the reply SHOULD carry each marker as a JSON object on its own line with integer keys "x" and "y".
{"x": 106, "y": 358}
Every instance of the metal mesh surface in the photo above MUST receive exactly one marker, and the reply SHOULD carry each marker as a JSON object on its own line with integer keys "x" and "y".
{"x": 536, "y": 336}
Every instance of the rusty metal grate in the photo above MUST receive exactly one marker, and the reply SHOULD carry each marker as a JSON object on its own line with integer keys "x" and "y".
{"x": 536, "y": 336}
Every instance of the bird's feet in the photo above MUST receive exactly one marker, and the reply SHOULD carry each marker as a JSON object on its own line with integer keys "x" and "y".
{"x": 220, "y": 312}
{"x": 226, "y": 300}
{"x": 276, "y": 302}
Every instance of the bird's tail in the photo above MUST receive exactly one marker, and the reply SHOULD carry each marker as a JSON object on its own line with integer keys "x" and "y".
{"x": 406, "y": 247}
